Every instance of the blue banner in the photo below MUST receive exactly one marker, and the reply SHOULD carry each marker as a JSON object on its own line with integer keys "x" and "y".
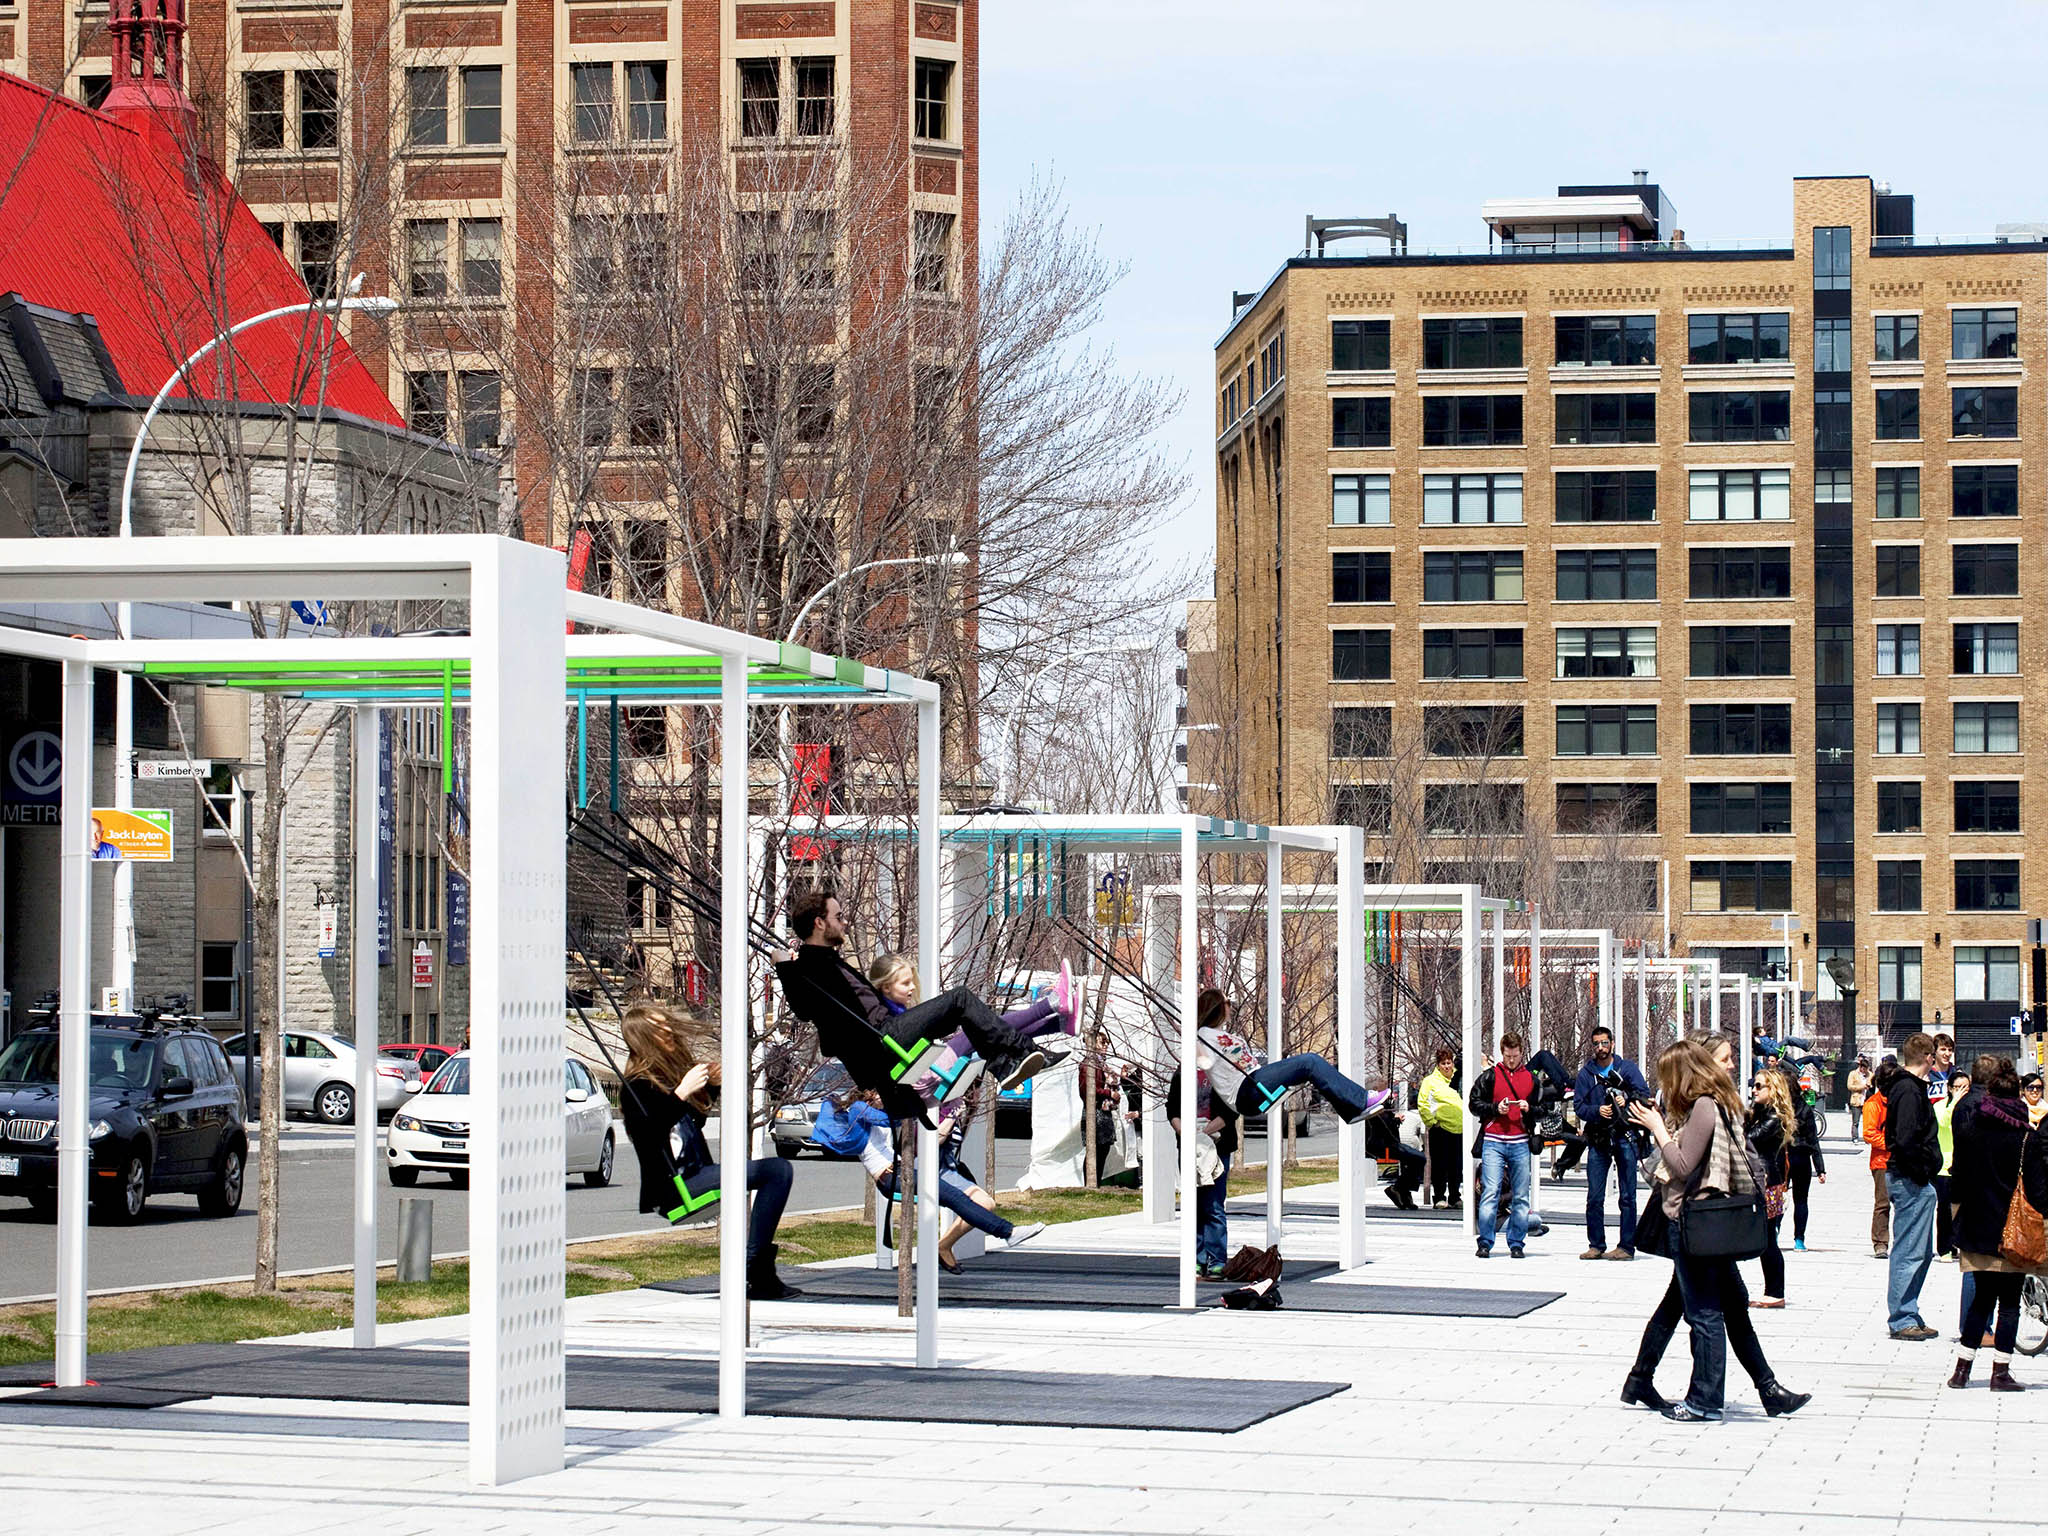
{"x": 387, "y": 838}
{"x": 458, "y": 843}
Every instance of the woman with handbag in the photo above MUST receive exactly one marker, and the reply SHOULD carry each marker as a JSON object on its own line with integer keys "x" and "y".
{"x": 1998, "y": 1228}
{"x": 1712, "y": 1198}
{"x": 1770, "y": 1127}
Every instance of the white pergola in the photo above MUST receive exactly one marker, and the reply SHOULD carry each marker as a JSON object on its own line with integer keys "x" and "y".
{"x": 513, "y": 670}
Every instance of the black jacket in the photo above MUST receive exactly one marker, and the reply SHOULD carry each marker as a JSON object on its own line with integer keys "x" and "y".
{"x": 1481, "y": 1100}
{"x": 1986, "y": 1171}
{"x": 1806, "y": 1138}
{"x": 652, "y": 1117}
{"x": 850, "y": 1018}
{"x": 1912, "y": 1141}
{"x": 1767, "y": 1135}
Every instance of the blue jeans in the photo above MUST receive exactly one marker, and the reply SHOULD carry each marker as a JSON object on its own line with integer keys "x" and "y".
{"x": 1912, "y": 1250}
{"x": 1622, "y": 1158}
{"x": 1212, "y": 1232}
{"x": 1498, "y": 1158}
{"x": 1345, "y": 1096}
{"x": 1711, "y": 1291}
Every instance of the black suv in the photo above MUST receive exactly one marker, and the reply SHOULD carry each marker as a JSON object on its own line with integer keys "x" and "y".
{"x": 166, "y": 1115}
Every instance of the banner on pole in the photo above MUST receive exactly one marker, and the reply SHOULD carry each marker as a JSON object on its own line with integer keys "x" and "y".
{"x": 132, "y": 837}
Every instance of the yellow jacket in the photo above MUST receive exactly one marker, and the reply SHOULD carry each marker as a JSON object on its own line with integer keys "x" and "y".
{"x": 1440, "y": 1106}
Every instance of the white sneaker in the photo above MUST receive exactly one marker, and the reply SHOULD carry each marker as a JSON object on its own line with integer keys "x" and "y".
{"x": 1022, "y": 1235}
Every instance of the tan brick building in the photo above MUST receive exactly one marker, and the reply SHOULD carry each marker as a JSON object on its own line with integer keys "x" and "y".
{"x": 1722, "y": 555}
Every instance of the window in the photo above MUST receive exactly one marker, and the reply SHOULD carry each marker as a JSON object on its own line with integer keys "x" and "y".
{"x": 1831, "y": 347}
{"x": 1987, "y": 649}
{"x": 1741, "y": 810}
{"x": 1472, "y": 576}
{"x": 1898, "y": 339}
{"x": 1607, "y": 652}
{"x": 1361, "y": 500}
{"x": 1741, "y": 650}
{"x": 646, "y": 561}
{"x": 644, "y": 731}
{"x": 1898, "y": 413}
{"x": 1987, "y": 805}
{"x": 1606, "y": 730}
{"x": 1272, "y": 361}
{"x": 1607, "y": 807}
{"x": 1459, "y": 421}
{"x": 1361, "y": 422}
{"x": 481, "y": 276}
{"x": 1472, "y": 653}
{"x": 1980, "y": 333}
{"x": 1898, "y": 805}
{"x": 1987, "y": 973}
{"x": 1833, "y": 487}
{"x": 813, "y": 396}
{"x": 1741, "y": 885}
{"x": 1898, "y": 492}
{"x": 592, "y": 389}
{"x": 1738, "y": 338}
{"x": 1736, "y": 571}
{"x": 1607, "y": 496}
{"x": 483, "y": 96}
{"x": 481, "y": 397}
{"x": 1606, "y": 575}
{"x": 1979, "y": 412}
{"x": 1898, "y": 973}
{"x": 1741, "y": 730}
{"x": 1898, "y": 570}
{"x": 1834, "y": 655}
{"x": 1898, "y": 650}
{"x": 426, "y": 258}
{"x": 1985, "y": 490}
{"x": 319, "y": 109}
{"x": 1361, "y": 731}
{"x": 1471, "y": 499}
{"x": 1472, "y": 342}
{"x": 426, "y": 99}
{"x": 1471, "y": 810}
{"x": 1898, "y": 729}
{"x": 1364, "y": 576}
{"x": 1831, "y": 257}
{"x": 1835, "y": 891}
{"x": 1359, "y": 345}
{"x": 1607, "y": 418}
{"x": 426, "y": 403}
{"x": 760, "y": 98}
{"x": 1739, "y": 496}
{"x": 1740, "y": 415}
{"x": 1898, "y": 885}
{"x": 934, "y": 98}
{"x": 590, "y": 88}
{"x": 1606, "y": 341}
{"x": 318, "y": 240}
{"x": 647, "y": 99}
{"x": 933, "y": 260}
{"x": 220, "y": 980}
{"x": 1370, "y": 806}
{"x": 1987, "y": 885}
{"x": 1361, "y": 655}
{"x": 1834, "y": 811}
{"x": 1472, "y": 730}
{"x": 263, "y": 109}
{"x": 1987, "y": 725}
{"x": 1833, "y": 421}
{"x": 814, "y": 248}
{"x": 817, "y": 96}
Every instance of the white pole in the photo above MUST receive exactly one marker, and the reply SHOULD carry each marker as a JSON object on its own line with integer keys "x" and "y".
{"x": 1468, "y": 956}
{"x": 1748, "y": 1023}
{"x": 1714, "y": 996}
{"x": 1667, "y": 909}
{"x": 1609, "y": 1013}
{"x": 1500, "y": 977}
{"x": 1190, "y": 988}
{"x": 1276, "y": 1118}
{"x": 1351, "y": 1155}
{"x": 363, "y": 997}
{"x": 122, "y": 973}
{"x": 1642, "y": 1005}
{"x": 928, "y": 980}
{"x": 735, "y": 1094}
{"x": 1535, "y": 978}
{"x": 74, "y": 1047}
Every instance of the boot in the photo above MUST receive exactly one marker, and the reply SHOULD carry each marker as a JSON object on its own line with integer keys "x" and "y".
{"x": 1640, "y": 1389}
{"x": 763, "y": 1284}
{"x": 1960, "y": 1376}
{"x": 2001, "y": 1378}
{"x": 1778, "y": 1400}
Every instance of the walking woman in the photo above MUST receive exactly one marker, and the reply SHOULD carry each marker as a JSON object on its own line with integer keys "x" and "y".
{"x": 1807, "y": 1165}
{"x": 1770, "y": 1129}
{"x": 1706, "y": 1157}
{"x": 1990, "y": 1148}
{"x": 664, "y": 1097}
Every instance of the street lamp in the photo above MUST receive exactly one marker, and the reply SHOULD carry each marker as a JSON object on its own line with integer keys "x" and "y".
{"x": 1004, "y": 776}
{"x": 123, "y": 970}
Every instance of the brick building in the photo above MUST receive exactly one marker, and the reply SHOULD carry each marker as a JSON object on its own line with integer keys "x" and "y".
{"x": 1723, "y": 555}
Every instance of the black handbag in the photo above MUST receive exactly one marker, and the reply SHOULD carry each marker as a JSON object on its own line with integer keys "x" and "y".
{"x": 1724, "y": 1226}
{"x": 1653, "y": 1227}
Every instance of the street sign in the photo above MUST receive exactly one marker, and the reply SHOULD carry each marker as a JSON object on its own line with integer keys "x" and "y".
{"x": 2014, "y": 1024}
{"x": 32, "y": 786}
{"x": 173, "y": 767}
{"x": 134, "y": 837}
{"x": 1115, "y": 905}
{"x": 328, "y": 915}
{"x": 693, "y": 983}
{"x": 422, "y": 965}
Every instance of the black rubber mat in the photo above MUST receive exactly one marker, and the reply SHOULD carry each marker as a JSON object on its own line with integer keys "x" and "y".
{"x": 775, "y": 1388}
{"x": 104, "y": 1395}
{"x": 1377, "y": 1210}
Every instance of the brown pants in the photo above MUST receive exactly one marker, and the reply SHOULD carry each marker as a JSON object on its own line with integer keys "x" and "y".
{"x": 1880, "y": 1209}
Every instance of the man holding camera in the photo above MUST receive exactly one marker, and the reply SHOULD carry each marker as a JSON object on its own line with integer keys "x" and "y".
{"x": 1605, "y": 1087}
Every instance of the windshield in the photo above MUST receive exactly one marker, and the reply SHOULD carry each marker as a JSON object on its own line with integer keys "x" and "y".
{"x": 452, "y": 1078}
{"x": 118, "y": 1061}
{"x": 827, "y": 1079}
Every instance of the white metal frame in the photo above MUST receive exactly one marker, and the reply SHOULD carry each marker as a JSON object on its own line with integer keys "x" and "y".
{"x": 516, "y": 651}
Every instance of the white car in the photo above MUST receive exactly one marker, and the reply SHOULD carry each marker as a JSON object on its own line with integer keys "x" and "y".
{"x": 431, "y": 1133}
{"x": 320, "y": 1076}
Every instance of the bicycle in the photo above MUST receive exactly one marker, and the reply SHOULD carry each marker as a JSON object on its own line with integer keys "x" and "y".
{"x": 2033, "y": 1334}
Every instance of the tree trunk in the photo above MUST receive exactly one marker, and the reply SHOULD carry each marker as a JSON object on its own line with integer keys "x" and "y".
{"x": 906, "y": 1219}
{"x": 264, "y": 977}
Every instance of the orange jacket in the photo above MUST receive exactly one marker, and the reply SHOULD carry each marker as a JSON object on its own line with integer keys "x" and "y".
{"x": 1873, "y": 1130}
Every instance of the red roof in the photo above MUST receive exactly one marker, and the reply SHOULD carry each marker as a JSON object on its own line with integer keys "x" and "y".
{"x": 112, "y": 217}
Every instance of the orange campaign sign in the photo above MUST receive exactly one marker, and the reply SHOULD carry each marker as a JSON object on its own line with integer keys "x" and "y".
{"x": 137, "y": 837}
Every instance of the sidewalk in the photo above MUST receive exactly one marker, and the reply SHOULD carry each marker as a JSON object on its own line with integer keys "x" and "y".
{"x": 1452, "y": 1425}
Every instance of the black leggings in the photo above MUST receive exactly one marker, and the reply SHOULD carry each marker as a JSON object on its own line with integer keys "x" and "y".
{"x": 1663, "y": 1326}
{"x": 1944, "y": 1219}
{"x": 1803, "y": 1171}
{"x": 1773, "y": 1260}
{"x": 1446, "y": 1158}
{"x": 769, "y": 1179}
{"x": 2003, "y": 1292}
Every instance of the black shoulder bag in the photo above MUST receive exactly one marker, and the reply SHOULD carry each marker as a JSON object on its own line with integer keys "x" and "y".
{"x": 1727, "y": 1226}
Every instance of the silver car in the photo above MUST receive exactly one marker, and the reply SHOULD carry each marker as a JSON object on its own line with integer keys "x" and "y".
{"x": 320, "y": 1077}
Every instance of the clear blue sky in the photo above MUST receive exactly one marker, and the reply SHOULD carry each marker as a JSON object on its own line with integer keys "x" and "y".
{"x": 1195, "y": 135}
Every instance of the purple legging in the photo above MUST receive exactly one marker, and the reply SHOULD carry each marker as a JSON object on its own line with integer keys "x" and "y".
{"x": 1039, "y": 1017}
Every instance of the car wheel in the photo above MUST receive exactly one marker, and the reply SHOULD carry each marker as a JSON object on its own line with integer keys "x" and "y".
{"x": 601, "y": 1175}
{"x": 223, "y": 1196}
{"x": 122, "y": 1198}
{"x": 335, "y": 1104}
{"x": 459, "y": 1179}
{"x": 790, "y": 1150}
{"x": 404, "y": 1178}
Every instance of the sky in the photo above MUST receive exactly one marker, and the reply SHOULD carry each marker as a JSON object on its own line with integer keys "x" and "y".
{"x": 1194, "y": 137}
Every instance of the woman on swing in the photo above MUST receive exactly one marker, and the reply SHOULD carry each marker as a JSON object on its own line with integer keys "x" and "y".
{"x": 669, "y": 1086}
{"x": 1254, "y": 1085}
